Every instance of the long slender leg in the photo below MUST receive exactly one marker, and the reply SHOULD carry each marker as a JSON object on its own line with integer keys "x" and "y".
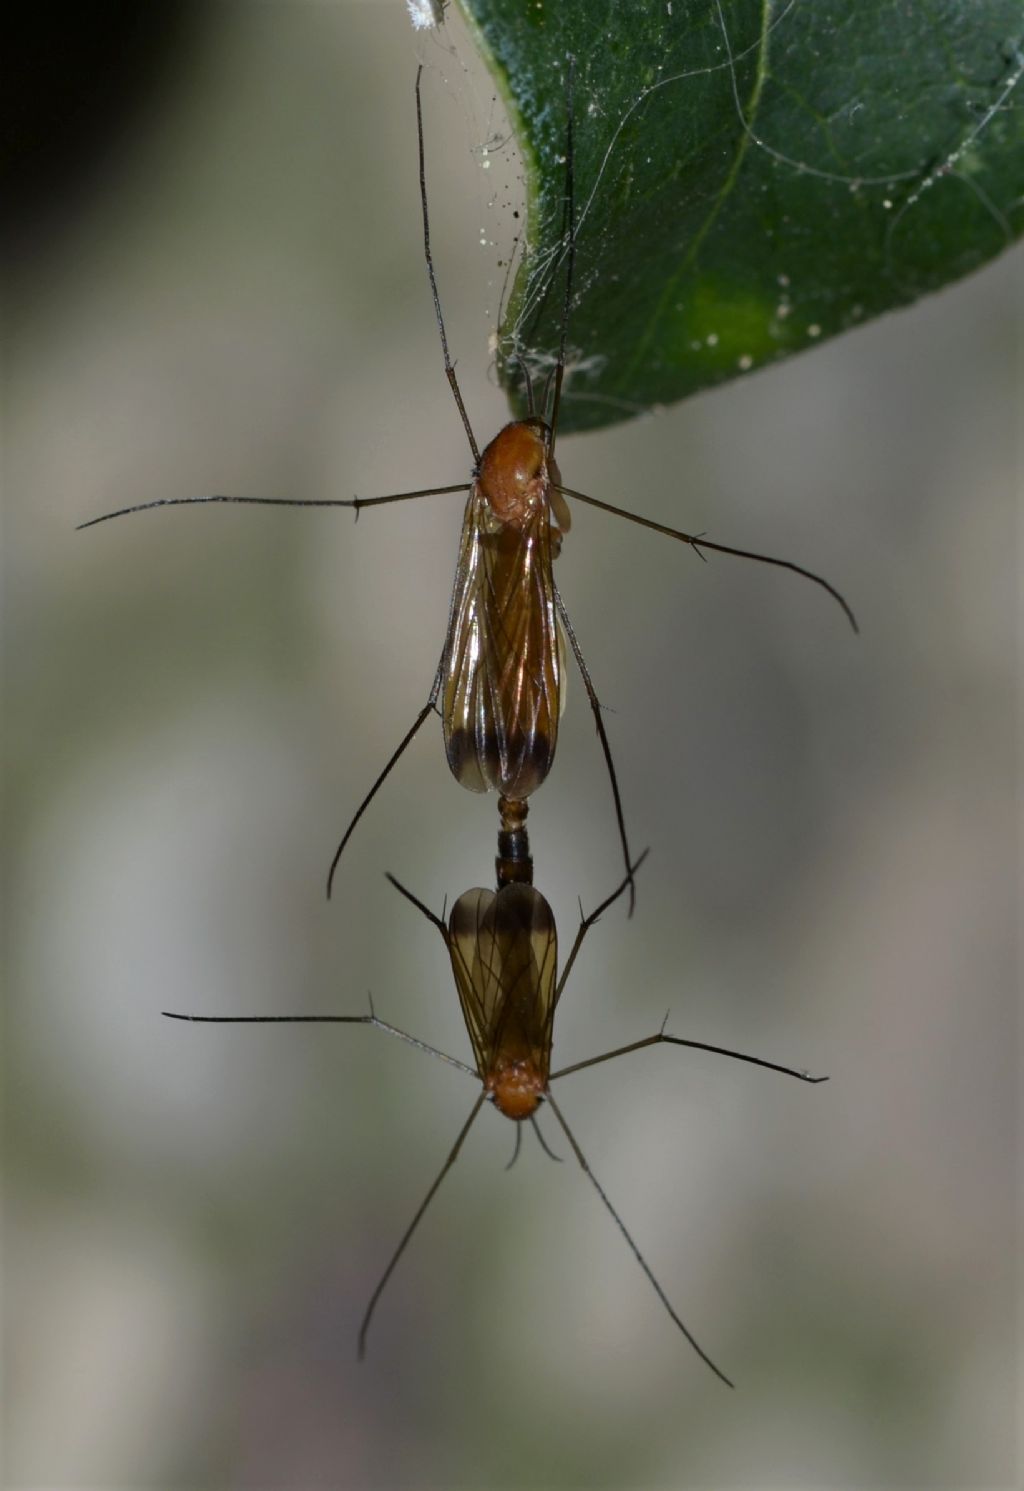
{"x": 620, "y": 1224}
{"x": 360, "y": 502}
{"x": 595, "y": 705}
{"x": 524, "y": 368}
{"x": 438, "y": 923}
{"x": 449, "y": 366}
{"x": 370, "y": 1019}
{"x": 675, "y": 1040}
{"x": 570, "y": 220}
{"x": 550, "y": 403}
{"x": 382, "y": 778}
{"x": 356, "y": 503}
{"x": 587, "y": 922}
{"x": 697, "y": 542}
{"x": 431, "y": 704}
{"x": 407, "y": 1234}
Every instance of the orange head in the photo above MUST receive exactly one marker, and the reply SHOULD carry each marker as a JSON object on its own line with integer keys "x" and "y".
{"x": 516, "y": 1088}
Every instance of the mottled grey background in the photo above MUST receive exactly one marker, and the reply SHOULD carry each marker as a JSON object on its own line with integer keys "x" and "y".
{"x": 195, "y": 701}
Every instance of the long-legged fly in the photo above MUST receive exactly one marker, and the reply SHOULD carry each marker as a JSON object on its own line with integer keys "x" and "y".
{"x": 503, "y": 948}
{"x": 498, "y": 684}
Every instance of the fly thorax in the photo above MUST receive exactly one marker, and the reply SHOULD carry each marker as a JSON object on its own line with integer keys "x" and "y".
{"x": 513, "y": 476}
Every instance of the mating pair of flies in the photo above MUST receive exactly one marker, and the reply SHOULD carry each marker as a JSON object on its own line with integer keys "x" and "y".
{"x": 498, "y": 690}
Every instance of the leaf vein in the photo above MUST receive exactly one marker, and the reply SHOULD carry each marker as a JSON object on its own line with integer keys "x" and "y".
{"x": 747, "y": 118}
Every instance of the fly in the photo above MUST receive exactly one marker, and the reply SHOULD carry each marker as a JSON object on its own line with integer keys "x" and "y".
{"x": 499, "y": 682}
{"x": 503, "y": 949}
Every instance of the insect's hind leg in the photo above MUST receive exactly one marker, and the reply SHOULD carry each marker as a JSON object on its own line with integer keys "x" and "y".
{"x": 595, "y": 705}
{"x": 407, "y": 739}
{"x": 453, "y": 1155}
{"x": 437, "y": 921}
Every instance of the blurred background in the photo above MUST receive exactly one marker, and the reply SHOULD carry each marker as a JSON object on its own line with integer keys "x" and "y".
{"x": 218, "y": 285}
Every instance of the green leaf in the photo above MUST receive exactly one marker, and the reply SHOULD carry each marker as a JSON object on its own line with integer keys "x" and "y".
{"x": 751, "y": 178}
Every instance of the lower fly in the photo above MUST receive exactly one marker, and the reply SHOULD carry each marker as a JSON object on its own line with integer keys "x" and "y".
{"x": 503, "y": 950}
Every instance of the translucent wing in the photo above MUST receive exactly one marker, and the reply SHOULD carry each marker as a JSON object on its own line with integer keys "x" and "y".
{"x": 504, "y": 952}
{"x": 503, "y": 666}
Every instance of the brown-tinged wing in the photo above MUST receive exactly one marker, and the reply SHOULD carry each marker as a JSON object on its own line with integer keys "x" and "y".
{"x": 503, "y": 666}
{"x": 504, "y": 952}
